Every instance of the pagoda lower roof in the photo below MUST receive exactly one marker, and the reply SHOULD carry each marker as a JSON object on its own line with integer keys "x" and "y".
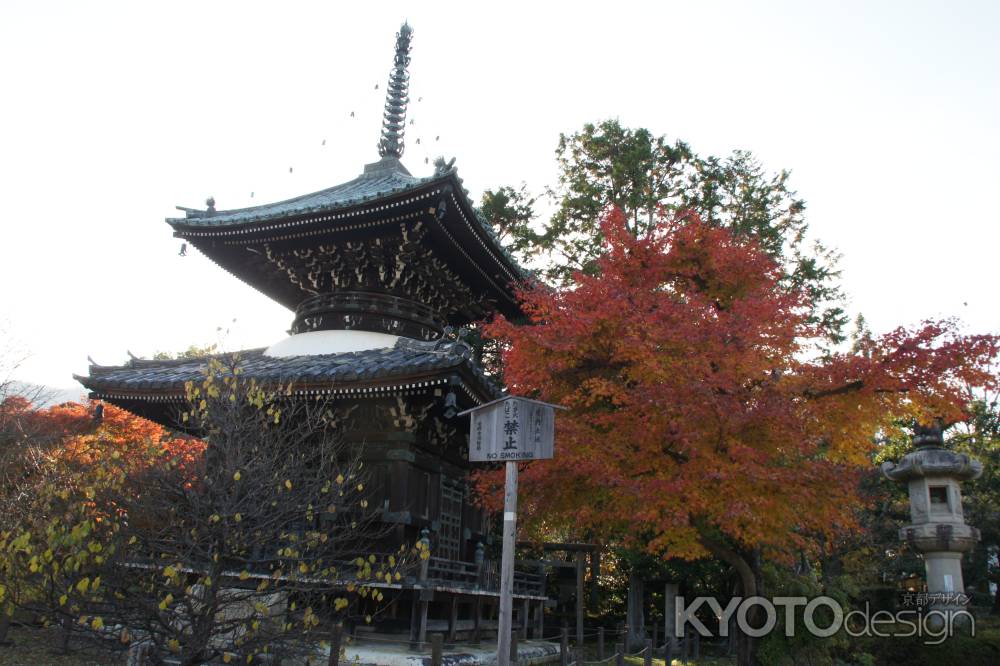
{"x": 409, "y": 364}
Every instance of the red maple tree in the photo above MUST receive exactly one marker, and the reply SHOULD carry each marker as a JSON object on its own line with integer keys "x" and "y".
{"x": 704, "y": 417}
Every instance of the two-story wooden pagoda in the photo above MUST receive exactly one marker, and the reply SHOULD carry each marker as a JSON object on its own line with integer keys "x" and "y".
{"x": 374, "y": 269}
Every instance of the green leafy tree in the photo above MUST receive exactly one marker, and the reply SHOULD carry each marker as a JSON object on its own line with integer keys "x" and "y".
{"x": 607, "y": 165}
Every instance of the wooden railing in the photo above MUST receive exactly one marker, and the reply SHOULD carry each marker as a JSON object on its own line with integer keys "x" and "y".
{"x": 483, "y": 576}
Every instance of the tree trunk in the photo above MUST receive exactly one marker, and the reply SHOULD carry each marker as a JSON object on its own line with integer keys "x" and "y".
{"x": 749, "y": 570}
{"x": 635, "y": 617}
{"x": 5, "y": 611}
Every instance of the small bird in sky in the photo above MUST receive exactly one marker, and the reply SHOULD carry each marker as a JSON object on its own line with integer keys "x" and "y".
{"x": 418, "y": 141}
{"x": 376, "y": 86}
{"x": 184, "y": 250}
{"x": 251, "y": 195}
{"x": 437, "y": 138}
{"x": 289, "y": 169}
{"x": 427, "y": 160}
{"x": 411, "y": 121}
{"x": 324, "y": 142}
{"x": 420, "y": 99}
{"x": 352, "y": 114}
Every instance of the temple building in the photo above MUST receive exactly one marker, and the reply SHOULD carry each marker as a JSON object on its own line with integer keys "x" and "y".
{"x": 377, "y": 271}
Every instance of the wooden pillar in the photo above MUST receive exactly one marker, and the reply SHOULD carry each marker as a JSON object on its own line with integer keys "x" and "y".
{"x": 477, "y": 618}
{"x": 453, "y": 619}
{"x": 620, "y": 654}
{"x": 541, "y": 620}
{"x": 437, "y": 649}
{"x": 564, "y": 647}
{"x": 422, "y": 635}
{"x": 336, "y": 636}
{"x": 424, "y": 593}
{"x": 600, "y": 644}
{"x": 525, "y": 608}
{"x": 595, "y": 573}
{"x": 647, "y": 656}
{"x": 507, "y": 565}
{"x": 513, "y": 647}
{"x": 670, "y": 615}
{"x": 579, "y": 597}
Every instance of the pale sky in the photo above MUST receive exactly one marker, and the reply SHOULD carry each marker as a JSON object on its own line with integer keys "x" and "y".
{"x": 887, "y": 113}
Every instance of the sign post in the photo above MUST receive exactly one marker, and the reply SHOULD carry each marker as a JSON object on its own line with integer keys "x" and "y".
{"x": 510, "y": 430}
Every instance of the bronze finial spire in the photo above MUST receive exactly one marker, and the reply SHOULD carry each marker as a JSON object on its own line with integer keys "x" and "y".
{"x": 396, "y": 97}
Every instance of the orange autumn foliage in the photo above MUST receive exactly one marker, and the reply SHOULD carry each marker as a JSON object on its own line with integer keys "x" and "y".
{"x": 68, "y": 434}
{"x": 698, "y": 403}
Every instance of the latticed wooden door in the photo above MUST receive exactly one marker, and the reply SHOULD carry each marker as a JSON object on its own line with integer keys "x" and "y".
{"x": 450, "y": 536}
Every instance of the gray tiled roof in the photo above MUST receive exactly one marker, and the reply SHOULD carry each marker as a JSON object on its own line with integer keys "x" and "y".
{"x": 408, "y": 358}
{"x": 380, "y": 179}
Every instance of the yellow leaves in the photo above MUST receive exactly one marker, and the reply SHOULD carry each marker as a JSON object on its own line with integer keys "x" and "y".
{"x": 238, "y": 517}
{"x": 226, "y": 658}
{"x": 166, "y": 601}
{"x": 203, "y": 405}
{"x": 169, "y": 572}
{"x": 364, "y": 504}
{"x": 371, "y": 559}
{"x": 132, "y": 540}
{"x": 425, "y": 554}
{"x": 339, "y": 604}
{"x": 244, "y": 574}
{"x": 361, "y": 487}
{"x": 82, "y": 585}
{"x": 392, "y": 561}
{"x": 303, "y": 568}
{"x": 288, "y": 484}
{"x": 97, "y": 623}
{"x": 208, "y": 581}
{"x": 236, "y": 475}
{"x": 264, "y": 584}
{"x": 388, "y": 577}
{"x": 63, "y": 599}
{"x": 214, "y": 518}
{"x": 340, "y": 479}
{"x": 174, "y": 645}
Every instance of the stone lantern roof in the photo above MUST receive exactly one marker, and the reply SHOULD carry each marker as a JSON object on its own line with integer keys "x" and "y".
{"x": 932, "y": 459}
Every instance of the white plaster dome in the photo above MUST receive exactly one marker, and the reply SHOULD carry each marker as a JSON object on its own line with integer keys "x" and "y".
{"x": 315, "y": 343}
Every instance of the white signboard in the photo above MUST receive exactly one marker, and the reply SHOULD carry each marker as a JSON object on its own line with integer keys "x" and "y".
{"x": 511, "y": 429}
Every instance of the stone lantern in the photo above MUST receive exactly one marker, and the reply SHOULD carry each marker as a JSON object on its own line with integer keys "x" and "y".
{"x": 937, "y": 529}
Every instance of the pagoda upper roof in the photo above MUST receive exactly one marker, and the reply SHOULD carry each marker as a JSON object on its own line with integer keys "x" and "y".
{"x": 386, "y": 177}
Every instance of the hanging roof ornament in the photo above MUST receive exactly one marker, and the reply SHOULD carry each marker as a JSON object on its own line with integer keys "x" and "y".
{"x": 396, "y": 97}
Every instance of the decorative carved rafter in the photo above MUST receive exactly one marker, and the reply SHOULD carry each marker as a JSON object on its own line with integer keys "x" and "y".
{"x": 400, "y": 265}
